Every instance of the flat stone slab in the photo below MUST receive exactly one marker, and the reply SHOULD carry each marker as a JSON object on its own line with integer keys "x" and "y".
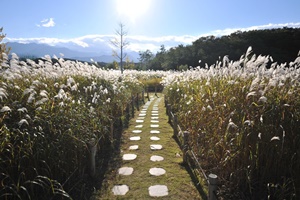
{"x": 154, "y": 121}
{"x": 155, "y": 147}
{"x": 154, "y": 125}
{"x": 155, "y": 131}
{"x": 134, "y": 147}
{"x": 141, "y": 118}
{"x": 125, "y": 171}
{"x": 142, "y": 115}
{"x": 158, "y": 190}
{"x": 129, "y": 156}
{"x": 154, "y": 138}
{"x": 155, "y": 108}
{"x": 154, "y": 111}
{"x": 137, "y": 131}
{"x": 120, "y": 189}
{"x": 139, "y": 126}
{"x": 135, "y": 138}
{"x": 143, "y": 111}
{"x": 154, "y": 114}
{"x": 139, "y": 121}
{"x": 156, "y": 171}
{"x": 154, "y": 117}
{"x": 156, "y": 158}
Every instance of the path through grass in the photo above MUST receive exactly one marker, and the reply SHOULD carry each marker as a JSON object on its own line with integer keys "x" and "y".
{"x": 176, "y": 178}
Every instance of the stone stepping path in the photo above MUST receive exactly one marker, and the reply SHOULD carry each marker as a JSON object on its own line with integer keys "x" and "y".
{"x": 156, "y": 158}
{"x": 158, "y": 190}
{"x": 135, "y": 138}
{"x": 125, "y": 171}
{"x": 129, "y": 156}
{"x": 155, "y": 131}
{"x": 156, "y": 171}
{"x": 120, "y": 189}
{"x": 137, "y": 131}
{"x": 156, "y": 147}
{"x": 134, "y": 147}
{"x": 153, "y": 190}
{"x": 154, "y": 138}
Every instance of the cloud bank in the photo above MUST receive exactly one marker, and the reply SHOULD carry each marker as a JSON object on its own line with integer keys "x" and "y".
{"x": 93, "y": 43}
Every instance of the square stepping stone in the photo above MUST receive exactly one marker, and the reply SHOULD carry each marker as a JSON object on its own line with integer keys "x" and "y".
{"x": 155, "y": 147}
{"x": 154, "y": 138}
{"x": 155, "y": 118}
{"x": 134, "y": 147}
{"x": 154, "y": 125}
{"x": 158, "y": 190}
{"x": 154, "y": 114}
{"x": 135, "y": 138}
{"x": 143, "y": 111}
{"x": 141, "y": 118}
{"x": 156, "y": 158}
{"x": 139, "y": 121}
{"x": 154, "y": 111}
{"x": 120, "y": 189}
{"x": 137, "y": 131}
{"x": 154, "y": 121}
{"x": 142, "y": 114}
{"x": 157, "y": 171}
{"x": 155, "y": 131}
{"x": 125, "y": 171}
{"x": 139, "y": 126}
{"x": 129, "y": 156}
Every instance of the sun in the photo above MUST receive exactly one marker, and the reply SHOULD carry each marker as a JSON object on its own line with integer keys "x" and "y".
{"x": 132, "y": 9}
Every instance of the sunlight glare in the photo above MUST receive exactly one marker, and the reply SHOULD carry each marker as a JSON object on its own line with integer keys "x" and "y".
{"x": 132, "y": 9}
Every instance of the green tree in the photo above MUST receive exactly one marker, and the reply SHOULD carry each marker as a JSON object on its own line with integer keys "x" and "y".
{"x": 145, "y": 58}
{"x": 120, "y": 43}
{"x": 3, "y": 48}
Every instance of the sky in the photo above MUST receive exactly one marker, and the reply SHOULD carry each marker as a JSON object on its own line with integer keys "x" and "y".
{"x": 149, "y": 23}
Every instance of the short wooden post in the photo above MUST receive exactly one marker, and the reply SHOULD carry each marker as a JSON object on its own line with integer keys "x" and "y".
{"x": 212, "y": 187}
{"x": 137, "y": 102}
{"x": 92, "y": 149}
{"x": 127, "y": 113}
{"x": 143, "y": 97}
{"x": 148, "y": 93}
{"x": 175, "y": 125}
{"x": 185, "y": 146}
{"x": 132, "y": 106}
{"x": 169, "y": 112}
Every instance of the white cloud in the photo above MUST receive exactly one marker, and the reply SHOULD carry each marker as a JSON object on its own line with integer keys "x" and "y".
{"x": 47, "y": 23}
{"x": 137, "y": 42}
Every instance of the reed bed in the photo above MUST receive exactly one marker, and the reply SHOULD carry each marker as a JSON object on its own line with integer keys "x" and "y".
{"x": 243, "y": 117}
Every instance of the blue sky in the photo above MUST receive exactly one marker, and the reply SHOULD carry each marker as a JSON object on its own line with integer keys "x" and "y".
{"x": 150, "y": 23}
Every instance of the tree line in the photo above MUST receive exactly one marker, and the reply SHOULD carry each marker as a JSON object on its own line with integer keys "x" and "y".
{"x": 282, "y": 44}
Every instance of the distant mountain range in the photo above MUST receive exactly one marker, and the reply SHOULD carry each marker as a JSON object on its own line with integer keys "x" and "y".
{"x": 35, "y": 50}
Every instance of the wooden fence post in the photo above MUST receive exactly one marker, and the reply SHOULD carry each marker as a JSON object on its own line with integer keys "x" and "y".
{"x": 212, "y": 187}
{"x": 143, "y": 96}
{"x": 185, "y": 146}
{"x": 148, "y": 93}
{"x": 127, "y": 115}
{"x": 175, "y": 126}
{"x": 92, "y": 149}
{"x": 132, "y": 106}
{"x": 169, "y": 112}
{"x": 137, "y": 102}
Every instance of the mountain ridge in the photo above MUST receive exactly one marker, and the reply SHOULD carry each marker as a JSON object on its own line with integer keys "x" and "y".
{"x": 36, "y": 50}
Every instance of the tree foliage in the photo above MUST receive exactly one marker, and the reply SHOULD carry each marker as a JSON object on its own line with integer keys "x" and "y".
{"x": 282, "y": 44}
